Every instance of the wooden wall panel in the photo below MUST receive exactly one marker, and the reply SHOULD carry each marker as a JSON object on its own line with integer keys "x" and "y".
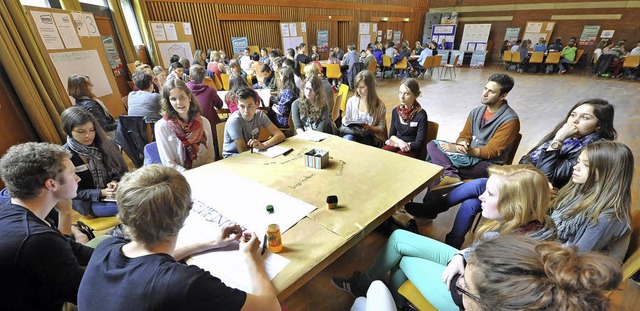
{"x": 625, "y": 28}
{"x": 210, "y": 32}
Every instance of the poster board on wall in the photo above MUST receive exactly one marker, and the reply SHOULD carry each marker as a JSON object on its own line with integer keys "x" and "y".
{"x": 367, "y": 33}
{"x": 292, "y": 34}
{"x": 536, "y": 30}
{"x": 475, "y": 37}
{"x": 71, "y": 44}
{"x": 446, "y": 33}
{"x": 171, "y": 38}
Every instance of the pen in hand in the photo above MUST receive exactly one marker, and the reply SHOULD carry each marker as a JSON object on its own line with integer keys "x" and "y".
{"x": 264, "y": 245}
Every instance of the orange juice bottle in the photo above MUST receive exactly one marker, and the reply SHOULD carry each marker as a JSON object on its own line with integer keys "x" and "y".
{"x": 274, "y": 238}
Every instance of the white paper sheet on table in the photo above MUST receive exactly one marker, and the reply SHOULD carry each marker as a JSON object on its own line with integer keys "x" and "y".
{"x": 226, "y": 263}
{"x": 273, "y": 151}
{"x": 313, "y": 135}
{"x": 249, "y": 210}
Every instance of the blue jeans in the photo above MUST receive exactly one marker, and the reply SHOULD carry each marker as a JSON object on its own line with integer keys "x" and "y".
{"x": 417, "y": 258}
{"x": 467, "y": 194}
{"x": 349, "y": 137}
{"x": 104, "y": 209}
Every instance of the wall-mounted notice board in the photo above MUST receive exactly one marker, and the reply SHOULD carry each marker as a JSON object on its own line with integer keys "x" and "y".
{"x": 293, "y": 34}
{"x": 172, "y": 38}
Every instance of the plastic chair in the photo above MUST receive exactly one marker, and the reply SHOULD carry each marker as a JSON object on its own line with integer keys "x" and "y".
{"x": 254, "y": 48}
{"x": 450, "y": 68}
{"x": 209, "y": 82}
{"x": 344, "y": 91}
{"x": 401, "y": 65}
{"x": 336, "y": 112}
{"x": 220, "y": 138}
{"x": 333, "y": 71}
{"x": 100, "y": 224}
{"x": 631, "y": 62}
{"x": 372, "y": 67}
{"x": 217, "y": 82}
{"x": 506, "y": 58}
{"x": 432, "y": 133}
{"x": 553, "y": 58}
{"x": 427, "y": 65}
{"x": 409, "y": 291}
{"x": 151, "y": 154}
{"x": 437, "y": 61}
{"x": 515, "y": 59}
{"x": 225, "y": 81}
{"x": 386, "y": 64}
{"x": 537, "y": 58}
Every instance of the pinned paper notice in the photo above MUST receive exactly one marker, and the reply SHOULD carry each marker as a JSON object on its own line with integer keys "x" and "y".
{"x": 187, "y": 29}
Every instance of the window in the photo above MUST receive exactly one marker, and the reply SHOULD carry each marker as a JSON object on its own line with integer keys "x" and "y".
{"x": 95, "y": 2}
{"x": 38, "y": 3}
{"x": 131, "y": 22}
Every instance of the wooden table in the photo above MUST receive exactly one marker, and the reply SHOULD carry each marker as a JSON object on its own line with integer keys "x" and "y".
{"x": 370, "y": 183}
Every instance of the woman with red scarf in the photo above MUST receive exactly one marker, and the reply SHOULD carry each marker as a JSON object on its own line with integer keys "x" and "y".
{"x": 183, "y": 137}
{"x": 408, "y": 122}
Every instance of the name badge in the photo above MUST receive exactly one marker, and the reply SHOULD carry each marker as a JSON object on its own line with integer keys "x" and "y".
{"x": 81, "y": 168}
{"x": 413, "y": 124}
{"x": 255, "y": 131}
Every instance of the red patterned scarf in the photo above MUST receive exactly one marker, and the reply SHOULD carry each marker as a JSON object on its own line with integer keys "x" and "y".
{"x": 407, "y": 114}
{"x": 191, "y": 135}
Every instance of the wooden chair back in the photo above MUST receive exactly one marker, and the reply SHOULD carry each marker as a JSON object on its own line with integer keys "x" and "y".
{"x": 220, "y": 136}
{"x": 217, "y": 82}
{"x": 428, "y": 62}
{"x": 209, "y": 82}
{"x": 254, "y": 48}
{"x": 578, "y": 56}
{"x": 536, "y": 58}
{"x": 335, "y": 112}
{"x": 506, "y": 57}
{"x": 402, "y": 64}
{"x": 386, "y": 61}
{"x": 631, "y": 61}
{"x": 437, "y": 61}
{"x": 552, "y": 58}
{"x": 454, "y": 63}
{"x": 372, "y": 67}
{"x": 432, "y": 133}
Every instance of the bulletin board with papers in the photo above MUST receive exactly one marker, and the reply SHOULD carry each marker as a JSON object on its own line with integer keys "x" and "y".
{"x": 367, "y": 33}
{"x": 293, "y": 34}
{"x": 475, "y": 37}
{"x": 172, "y": 38}
{"x": 71, "y": 44}
{"x": 536, "y": 30}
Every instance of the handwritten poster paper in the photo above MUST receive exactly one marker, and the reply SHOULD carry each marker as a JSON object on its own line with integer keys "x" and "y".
{"x": 284, "y": 28}
{"x": 47, "y": 30}
{"x": 67, "y": 29}
{"x": 187, "y": 29}
{"x": 170, "y": 31}
{"x": 293, "y": 32}
{"x": 303, "y": 27}
{"x": 78, "y": 18}
{"x": 158, "y": 31}
{"x": 83, "y": 62}
{"x": 533, "y": 27}
{"x": 364, "y": 29}
{"x": 92, "y": 27}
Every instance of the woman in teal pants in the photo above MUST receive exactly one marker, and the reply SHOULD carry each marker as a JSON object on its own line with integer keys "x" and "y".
{"x": 516, "y": 201}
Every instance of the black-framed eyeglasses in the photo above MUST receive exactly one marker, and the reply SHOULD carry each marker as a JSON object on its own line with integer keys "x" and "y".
{"x": 467, "y": 293}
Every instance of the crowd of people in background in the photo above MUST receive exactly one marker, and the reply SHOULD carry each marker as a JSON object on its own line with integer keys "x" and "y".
{"x": 567, "y": 199}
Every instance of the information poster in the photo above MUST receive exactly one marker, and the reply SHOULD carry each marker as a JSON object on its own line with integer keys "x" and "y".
{"x": 323, "y": 41}
{"x": 112, "y": 54}
{"x": 475, "y": 37}
{"x": 47, "y": 30}
{"x": 444, "y": 36}
{"x": 397, "y": 36}
{"x": 477, "y": 59}
{"x": 170, "y": 31}
{"x": 239, "y": 43}
{"x": 589, "y": 35}
{"x": 512, "y": 34}
{"x": 158, "y": 32}
{"x": 82, "y": 62}
{"x": 67, "y": 29}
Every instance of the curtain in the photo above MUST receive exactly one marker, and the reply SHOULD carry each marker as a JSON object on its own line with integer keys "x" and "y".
{"x": 29, "y": 75}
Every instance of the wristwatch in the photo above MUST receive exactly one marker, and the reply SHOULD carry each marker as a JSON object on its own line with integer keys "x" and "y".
{"x": 556, "y": 144}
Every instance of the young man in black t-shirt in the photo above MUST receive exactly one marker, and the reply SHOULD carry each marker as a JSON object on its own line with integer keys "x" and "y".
{"x": 40, "y": 266}
{"x": 144, "y": 274}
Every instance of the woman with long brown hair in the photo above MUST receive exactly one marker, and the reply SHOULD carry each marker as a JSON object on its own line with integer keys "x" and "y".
{"x": 367, "y": 112}
{"x": 80, "y": 87}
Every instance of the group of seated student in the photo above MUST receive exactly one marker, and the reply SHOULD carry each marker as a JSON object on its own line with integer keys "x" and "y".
{"x": 47, "y": 270}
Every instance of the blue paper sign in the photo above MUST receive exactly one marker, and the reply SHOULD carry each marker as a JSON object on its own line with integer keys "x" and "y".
{"x": 239, "y": 43}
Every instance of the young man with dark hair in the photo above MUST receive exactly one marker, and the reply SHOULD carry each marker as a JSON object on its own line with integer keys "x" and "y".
{"x": 144, "y": 273}
{"x": 242, "y": 129}
{"x": 144, "y": 102}
{"x": 176, "y": 70}
{"x": 245, "y": 60}
{"x": 40, "y": 265}
{"x": 302, "y": 56}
